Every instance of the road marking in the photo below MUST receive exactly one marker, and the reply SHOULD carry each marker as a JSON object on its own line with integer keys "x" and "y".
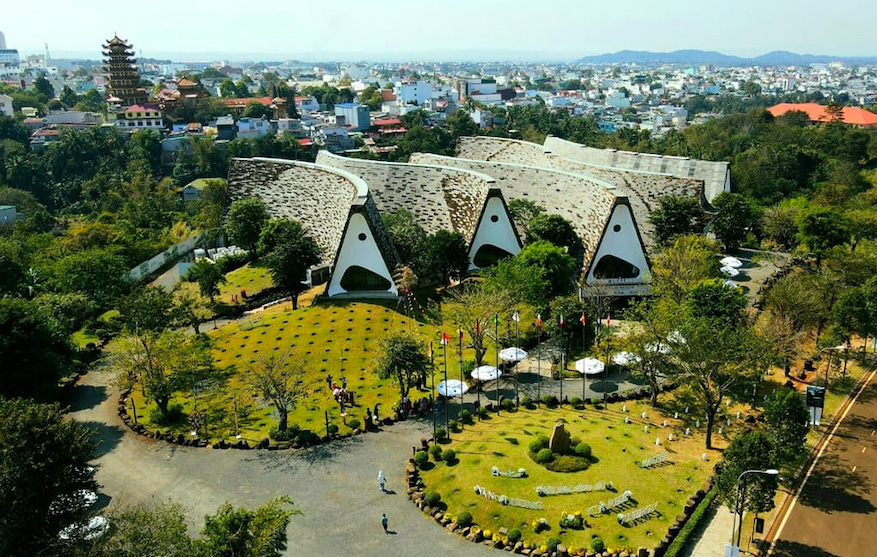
{"x": 854, "y": 468}
{"x": 863, "y": 449}
{"x": 816, "y": 461}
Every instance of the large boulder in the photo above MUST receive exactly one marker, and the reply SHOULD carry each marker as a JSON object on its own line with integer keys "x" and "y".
{"x": 559, "y": 442}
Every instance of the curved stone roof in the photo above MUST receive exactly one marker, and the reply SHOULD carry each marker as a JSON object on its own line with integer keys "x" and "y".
{"x": 439, "y": 197}
{"x": 321, "y": 198}
{"x": 585, "y": 202}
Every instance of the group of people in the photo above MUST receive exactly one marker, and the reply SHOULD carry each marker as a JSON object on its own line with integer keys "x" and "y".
{"x": 339, "y": 392}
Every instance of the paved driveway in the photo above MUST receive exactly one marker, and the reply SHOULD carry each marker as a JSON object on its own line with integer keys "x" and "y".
{"x": 334, "y": 485}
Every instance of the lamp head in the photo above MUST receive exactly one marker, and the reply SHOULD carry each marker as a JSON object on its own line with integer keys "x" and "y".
{"x": 772, "y": 471}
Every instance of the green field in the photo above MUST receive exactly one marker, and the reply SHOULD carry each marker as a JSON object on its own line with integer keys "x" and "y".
{"x": 618, "y": 448}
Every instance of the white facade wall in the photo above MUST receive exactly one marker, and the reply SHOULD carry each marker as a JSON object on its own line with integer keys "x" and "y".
{"x": 621, "y": 240}
{"x": 499, "y": 232}
{"x": 6, "y": 105}
{"x": 414, "y": 92}
{"x": 358, "y": 248}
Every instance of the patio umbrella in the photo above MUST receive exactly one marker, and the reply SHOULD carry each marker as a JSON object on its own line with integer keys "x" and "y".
{"x": 731, "y": 262}
{"x": 676, "y": 336}
{"x": 659, "y": 347}
{"x": 729, "y": 271}
{"x": 590, "y": 366}
{"x": 731, "y": 283}
{"x": 97, "y": 526}
{"x": 486, "y": 373}
{"x": 513, "y": 354}
{"x": 452, "y": 388}
{"x": 625, "y": 358}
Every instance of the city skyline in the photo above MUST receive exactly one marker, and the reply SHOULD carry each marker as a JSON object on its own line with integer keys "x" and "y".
{"x": 561, "y": 31}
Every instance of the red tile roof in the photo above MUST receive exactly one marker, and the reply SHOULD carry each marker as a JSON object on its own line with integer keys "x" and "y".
{"x": 816, "y": 113}
{"x": 305, "y": 142}
{"x": 266, "y": 101}
{"x": 388, "y": 122}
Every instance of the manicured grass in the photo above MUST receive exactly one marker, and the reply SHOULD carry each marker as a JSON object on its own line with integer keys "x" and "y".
{"x": 618, "y": 447}
{"x": 252, "y": 277}
{"x": 341, "y": 338}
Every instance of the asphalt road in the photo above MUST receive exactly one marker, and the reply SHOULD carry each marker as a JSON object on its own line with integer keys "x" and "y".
{"x": 836, "y": 511}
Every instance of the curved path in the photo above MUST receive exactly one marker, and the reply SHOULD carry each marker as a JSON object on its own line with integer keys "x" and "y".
{"x": 333, "y": 485}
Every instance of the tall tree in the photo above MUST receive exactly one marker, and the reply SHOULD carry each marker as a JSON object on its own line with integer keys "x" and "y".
{"x": 294, "y": 252}
{"x": 245, "y": 220}
{"x": 684, "y": 264}
{"x": 554, "y": 229}
{"x": 209, "y": 277}
{"x": 279, "y": 379}
{"x": 676, "y": 216}
{"x": 443, "y": 255}
{"x": 402, "y": 358}
{"x": 558, "y": 268}
{"x": 43, "y": 468}
{"x": 751, "y": 450}
{"x": 470, "y": 307}
{"x": 821, "y": 228}
{"x": 787, "y": 423}
{"x": 240, "y": 532}
{"x": 736, "y": 216}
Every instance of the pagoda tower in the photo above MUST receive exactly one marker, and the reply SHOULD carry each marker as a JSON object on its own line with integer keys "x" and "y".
{"x": 123, "y": 85}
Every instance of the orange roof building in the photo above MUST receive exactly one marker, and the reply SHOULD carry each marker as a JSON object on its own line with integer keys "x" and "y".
{"x": 852, "y": 115}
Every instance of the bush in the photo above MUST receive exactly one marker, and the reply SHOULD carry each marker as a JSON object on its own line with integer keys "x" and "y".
{"x": 453, "y": 425}
{"x": 432, "y": 498}
{"x": 466, "y": 417}
{"x": 421, "y": 458}
{"x": 435, "y": 452}
{"x": 306, "y": 437}
{"x": 583, "y": 450}
{"x": 574, "y": 521}
{"x": 289, "y": 434}
{"x": 544, "y": 456}
{"x": 482, "y": 412}
{"x": 353, "y": 424}
{"x": 552, "y": 543}
{"x": 508, "y": 405}
{"x": 464, "y": 519}
{"x": 514, "y": 535}
{"x": 537, "y": 445}
{"x": 448, "y": 455}
{"x": 690, "y": 525}
{"x": 575, "y": 401}
{"x": 441, "y": 434}
{"x": 574, "y": 441}
{"x": 333, "y": 429}
{"x": 229, "y": 263}
{"x": 550, "y": 400}
{"x": 526, "y": 402}
{"x": 568, "y": 463}
{"x": 174, "y": 415}
{"x": 597, "y": 544}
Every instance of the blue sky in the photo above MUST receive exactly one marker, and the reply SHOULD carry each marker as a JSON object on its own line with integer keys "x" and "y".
{"x": 565, "y": 29}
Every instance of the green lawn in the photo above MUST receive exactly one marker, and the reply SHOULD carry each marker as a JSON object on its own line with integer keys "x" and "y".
{"x": 341, "y": 338}
{"x": 503, "y": 442}
{"x": 252, "y": 277}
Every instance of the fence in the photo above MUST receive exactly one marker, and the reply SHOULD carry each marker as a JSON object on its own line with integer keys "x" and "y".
{"x": 169, "y": 255}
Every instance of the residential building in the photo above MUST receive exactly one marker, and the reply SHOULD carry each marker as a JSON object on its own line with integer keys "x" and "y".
{"x": 123, "y": 87}
{"x": 817, "y": 113}
{"x": 355, "y": 116}
{"x": 253, "y": 127}
{"x": 306, "y": 103}
{"x": 6, "y": 105}
{"x": 8, "y": 215}
{"x": 413, "y": 92}
{"x": 137, "y": 117}
{"x": 225, "y": 128}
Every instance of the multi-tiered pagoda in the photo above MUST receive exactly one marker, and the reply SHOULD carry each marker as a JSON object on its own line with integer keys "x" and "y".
{"x": 123, "y": 86}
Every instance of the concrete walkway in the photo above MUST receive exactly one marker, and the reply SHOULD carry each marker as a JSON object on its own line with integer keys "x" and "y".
{"x": 713, "y": 533}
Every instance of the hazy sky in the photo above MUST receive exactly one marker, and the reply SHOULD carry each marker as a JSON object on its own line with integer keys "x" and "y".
{"x": 191, "y": 29}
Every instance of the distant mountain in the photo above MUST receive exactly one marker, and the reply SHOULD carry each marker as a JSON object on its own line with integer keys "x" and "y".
{"x": 694, "y": 57}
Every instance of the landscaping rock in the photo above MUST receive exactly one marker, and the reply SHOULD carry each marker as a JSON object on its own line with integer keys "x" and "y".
{"x": 451, "y": 527}
{"x": 559, "y": 442}
{"x": 562, "y": 551}
{"x": 519, "y": 546}
{"x": 503, "y": 531}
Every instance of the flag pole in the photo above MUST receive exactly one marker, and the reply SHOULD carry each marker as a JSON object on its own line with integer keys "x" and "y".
{"x": 432, "y": 370}
{"x": 584, "y": 375}
{"x": 477, "y": 382}
{"x": 462, "y": 382}
{"x": 496, "y": 349}
{"x": 447, "y": 403}
{"x": 562, "y": 362}
{"x": 539, "y": 360}
{"x": 517, "y": 361}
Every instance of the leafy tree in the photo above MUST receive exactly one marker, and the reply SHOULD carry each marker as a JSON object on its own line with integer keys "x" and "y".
{"x": 522, "y": 212}
{"x": 147, "y": 310}
{"x": 150, "y": 530}
{"x": 402, "y": 358}
{"x": 779, "y": 224}
{"x": 14, "y": 268}
{"x": 44, "y": 88}
{"x": 34, "y": 349}
{"x": 715, "y": 300}
{"x": 68, "y": 97}
{"x": 245, "y": 220}
{"x": 676, "y": 216}
{"x": 405, "y": 233}
{"x": 519, "y": 281}
{"x": 212, "y": 203}
{"x": 443, "y": 255}
{"x": 371, "y": 97}
{"x": 558, "y": 268}
{"x": 255, "y": 109}
{"x": 822, "y": 228}
{"x": 41, "y": 478}
{"x": 209, "y": 277}
{"x": 191, "y": 310}
{"x": 240, "y": 532}
{"x": 294, "y": 252}
{"x": 68, "y": 311}
{"x": 460, "y": 124}
{"x": 735, "y": 217}
{"x": 554, "y": 229}
{"x": 752, "y": 450}
{"x": 278, "y": 379}
{"x": 787, "y": 423}
{"x": 689, "y": 260}
{"x": 653, "y": 325}
{"x": 227, "y": 88}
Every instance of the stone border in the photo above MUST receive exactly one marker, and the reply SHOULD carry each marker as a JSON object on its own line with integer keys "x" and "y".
{"x": 265, "y": 444}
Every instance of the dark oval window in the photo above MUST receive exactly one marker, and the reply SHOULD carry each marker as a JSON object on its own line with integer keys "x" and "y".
{"x": 361, "y": 237}
{"x": 617, "y": 228}
{"x": 494, "y": 218}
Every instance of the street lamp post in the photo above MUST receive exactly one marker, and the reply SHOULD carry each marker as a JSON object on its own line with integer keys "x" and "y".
{"x": 741, "y": 494}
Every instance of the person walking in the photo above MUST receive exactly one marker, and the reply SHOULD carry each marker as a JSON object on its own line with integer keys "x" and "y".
{"x": 384, "y": 523}
{"x": 382, "y": 480}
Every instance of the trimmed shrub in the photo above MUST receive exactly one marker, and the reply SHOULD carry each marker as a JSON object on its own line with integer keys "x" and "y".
{"x": 526, "y": 402}
{"x": 448, "y": 455}
{"x": 573, "y": 441}
{"x": 353, "y": 424}
{"x": 482, "y": 412}
{"x": 597, "y": 544}
{"x": 174, "y": 415}
{"x": 583, "y": 450}
{"x": 544, "y": 456}
{"x": 550, "y": 400}
{"x": 421, "y": 458}
{"x": 453, "y": 425}
{"x": 466, "y": 416}
{"x": 536, "y": 445}
{"x": 333, "y": 429}
{"x": 289, "y": 435}
{"x": 508, "y": 405}
{"x": 432, "y": 498}
{"x": 568, "y": 463}
{"x": 464, "y": 519}
{"x": 229, "y": 263}
{"x": 514, "y": 536}
{"x": 552, "y": 543}
{"x": 575, "y": 401}
{"x": 441, "y": 434}
{"x": 435, "y": 452}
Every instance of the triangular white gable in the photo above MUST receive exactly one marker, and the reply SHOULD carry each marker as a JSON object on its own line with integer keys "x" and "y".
{"x": 358, "y": 248}
{"x": 499, "y": 232}
{"x": 621, "y": 240}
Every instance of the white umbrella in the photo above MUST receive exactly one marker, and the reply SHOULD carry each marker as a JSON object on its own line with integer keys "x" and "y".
{"x": 590, "y": 366}
{"x": 625, "y": 358}
{"x": 513, "y": 354}
{"x": 452, "y": 388}
{"x": 676, "y": 337}
{"x": 731, "y": 283}
{"x": 659, "y": 347}
{"x": 730, "y": 261}
{"x": 729, "y": 271}
{"x": 97, "y": 526}
{"x": 486, "y": 373}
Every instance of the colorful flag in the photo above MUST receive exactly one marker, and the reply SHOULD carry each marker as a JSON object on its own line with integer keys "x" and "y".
{"x": 446, "y": 338}
{"x": 561, "y": 320}
{"x": 496, "y": 319}
{"x": 608, "y": 320}
{"x": 515, "y": 317}
{"x": 461, "y": 333}
{"x": 539, "y": 320}
{"x": 478, "y": 327}
{"x": 431, "y": 349}
{"x": 583, "y": 320}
